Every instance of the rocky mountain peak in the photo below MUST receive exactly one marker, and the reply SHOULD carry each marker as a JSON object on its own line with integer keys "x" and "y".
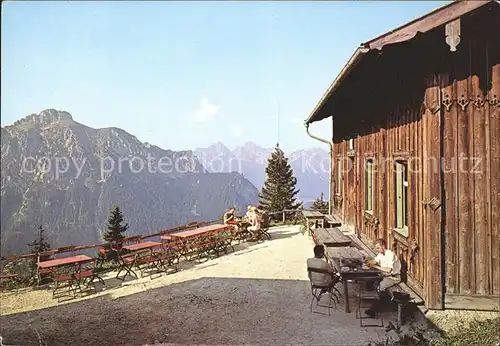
{"x": 44, "y": 118}
{"x": 66, "y": 176}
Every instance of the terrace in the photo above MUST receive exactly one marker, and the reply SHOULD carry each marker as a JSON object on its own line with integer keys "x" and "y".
{"x": 260, "y": 293}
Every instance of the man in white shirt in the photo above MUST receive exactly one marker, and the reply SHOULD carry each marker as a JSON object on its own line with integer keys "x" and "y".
{"x": 389, "y": 264}
{"x": 387, "y": 261}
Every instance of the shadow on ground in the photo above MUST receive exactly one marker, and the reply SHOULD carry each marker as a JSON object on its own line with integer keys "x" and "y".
{"x": 203, "y": 311}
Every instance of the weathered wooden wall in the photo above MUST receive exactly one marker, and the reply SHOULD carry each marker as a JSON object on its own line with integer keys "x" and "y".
{"x": 472, "y": 183}
{"x": 443, "y": 120}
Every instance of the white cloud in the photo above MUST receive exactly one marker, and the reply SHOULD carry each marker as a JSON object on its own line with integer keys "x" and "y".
{"x": 206, "y": 111}
{"x": 235, "y": 131}
{"x": 297, "y": 120}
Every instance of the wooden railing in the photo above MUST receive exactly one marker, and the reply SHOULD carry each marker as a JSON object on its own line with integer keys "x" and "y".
{"x": 286, "y": 215}
{"x": 100, "y": 245}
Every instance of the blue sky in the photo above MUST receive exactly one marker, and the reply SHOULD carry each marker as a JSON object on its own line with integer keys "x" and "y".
{"x": 183, "y": 75}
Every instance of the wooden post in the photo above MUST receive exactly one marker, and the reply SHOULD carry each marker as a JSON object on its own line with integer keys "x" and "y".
{"x": 283, "y": 216}
{"x": 432, "y": 192}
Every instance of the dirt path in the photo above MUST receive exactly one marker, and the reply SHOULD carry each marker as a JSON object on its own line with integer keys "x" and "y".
{"x": 259, "y": 294}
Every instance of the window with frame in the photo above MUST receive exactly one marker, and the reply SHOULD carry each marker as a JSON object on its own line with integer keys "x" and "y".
{"x": 339, "y": 177}
{"x": 401, "y": 191}
{"x": 369, "y": 186}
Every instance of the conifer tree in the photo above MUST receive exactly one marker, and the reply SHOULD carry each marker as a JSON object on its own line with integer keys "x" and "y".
{"x": 115, "y": 227}
{"x": 40, "y": 244}
{"x": 320, "y": 204}
{"x": 278, "y": 192}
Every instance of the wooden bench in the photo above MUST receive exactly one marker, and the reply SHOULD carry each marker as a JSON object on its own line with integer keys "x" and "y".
{"x": 402, "y": 287}
{"x": 331, "y": 237}
{"x": 332, "y": 221}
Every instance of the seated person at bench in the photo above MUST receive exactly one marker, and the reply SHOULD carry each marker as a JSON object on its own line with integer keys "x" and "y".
{"x": 249, "y": 215}
{"x": 319, "y": 262}
{"x": 229, "y": 217}
{"x": 390, "y": 265}
{"x": 255, "y": 221}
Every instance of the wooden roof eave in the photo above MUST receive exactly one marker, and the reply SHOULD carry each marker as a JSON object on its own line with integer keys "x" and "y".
{"x": 440, "y": 16}
{"x": 316, "y": 114}
{"x": 408, "y": 31}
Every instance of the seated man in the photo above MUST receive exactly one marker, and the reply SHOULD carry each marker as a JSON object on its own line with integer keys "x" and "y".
{"x": 387, "y": 261}
{"x": 319, "y": 262}
{"x": 229, "y": 216}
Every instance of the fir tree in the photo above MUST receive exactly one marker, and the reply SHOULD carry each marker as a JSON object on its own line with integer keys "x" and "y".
{"x": 115, "y": 227}
{"x": 320, "y": 204}
{"x": 40, "y": 244}
{"x": 278, "y": 192}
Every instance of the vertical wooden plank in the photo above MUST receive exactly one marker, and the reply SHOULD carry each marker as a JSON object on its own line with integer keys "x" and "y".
{"x": 424, "y": 195}
{"x": 351, "y": 195}
{"x": 411, "y": 180}
{"x": 450, "y": 184}
{"x": 465, "y": 182}
{"x": 494, "y": 112}
{"x": 401, "y": 127}
{"x": 344, "y": 180}
{"x": 481, "y": 183}
{"x": 399, "y": 196}
{"x": 389, "y": 176}
{"x": 422, "y": 186}
{"x": 433, "y": 217}
{"x": 375, "y": 171}
{"x": 357, "y": 193}
{"x": 398, "y": 117}
{"x": 399, "y": 122}
{"x": 418, "y": 184}
{"x": 382, "y": 187}
{"x": 391, "y": 128}
{"x": 406, "y": 125}
{"x": 333, "y": 174}
{"x": 418, "y": 201}
{"x": 413, "y": 184}
{"x": 361, "y": 184}
{"x": 333, "y": 169}
{"x": 409, "y": 127}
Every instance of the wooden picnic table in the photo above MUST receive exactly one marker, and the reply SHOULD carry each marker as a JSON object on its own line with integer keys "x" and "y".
{"x": 78, "y": 259}
{"x": 142, "y": 246}
{"x": 313, "y": 214}
{"x": 46, "y": 267}
{"x": 331, "y": 237}
{"x": 198, "y": 241}
{"x": 349, "y": 253}
{"x": 199, "y": 231}
{"x": 313, "y": 217}
{"x": 143, "y": 259}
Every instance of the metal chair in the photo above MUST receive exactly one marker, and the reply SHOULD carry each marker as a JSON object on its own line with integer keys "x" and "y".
{"x": 365, "y": 295}
{"x": 317, "y": 291}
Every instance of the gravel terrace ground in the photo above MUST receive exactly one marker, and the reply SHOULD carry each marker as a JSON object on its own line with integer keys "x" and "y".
{"x": 259, "y": 294}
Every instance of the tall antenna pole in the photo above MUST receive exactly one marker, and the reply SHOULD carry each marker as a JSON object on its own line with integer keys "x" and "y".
{"x": 278, "y": 120}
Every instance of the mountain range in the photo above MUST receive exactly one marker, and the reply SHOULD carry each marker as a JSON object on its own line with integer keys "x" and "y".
{"x": 66, "y": 176}
{"x": 310, "y": 166}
